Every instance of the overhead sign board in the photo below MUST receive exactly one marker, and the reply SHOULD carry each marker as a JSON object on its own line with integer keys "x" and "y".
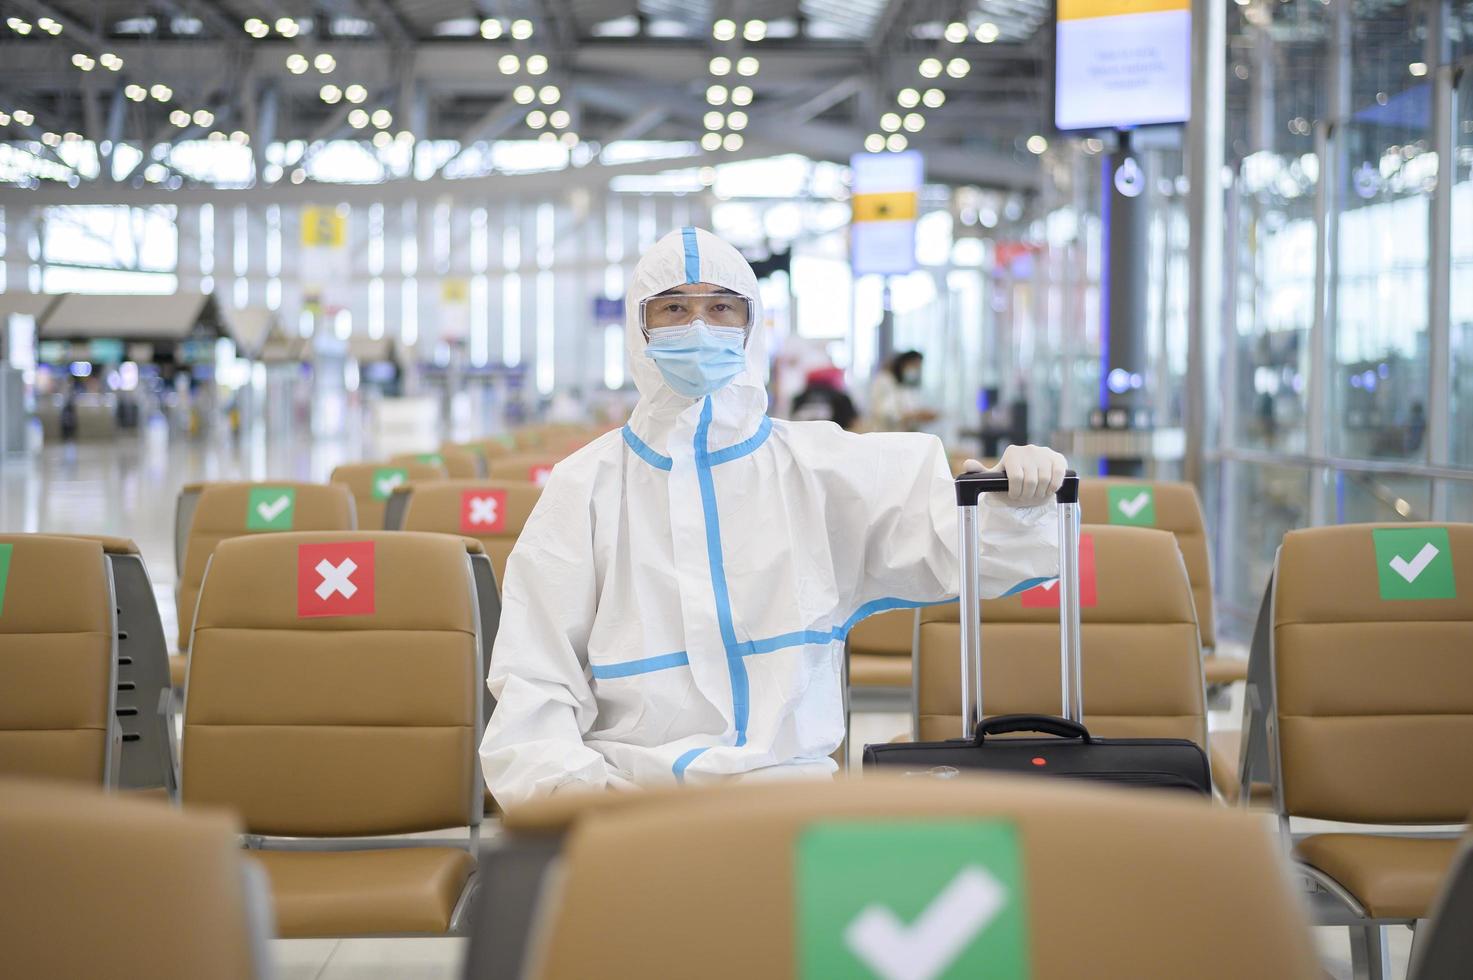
{"x": 1122, "y": 63}
{"x": 885, "y": 191}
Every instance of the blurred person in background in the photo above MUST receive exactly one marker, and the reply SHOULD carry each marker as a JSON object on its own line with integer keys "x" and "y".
{"x": 895, "y": 403}
{"x": 823, "y": 399}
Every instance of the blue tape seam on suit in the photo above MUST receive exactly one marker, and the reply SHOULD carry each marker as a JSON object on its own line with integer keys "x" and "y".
{"x": 692, "y": 255}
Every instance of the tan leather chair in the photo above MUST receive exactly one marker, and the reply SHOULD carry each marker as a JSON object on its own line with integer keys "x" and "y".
{"x": 1372, "y": 716}
{"x": 331, "y": 717}
{"x": 524, "y": 467}
{"x": 490, "y": 447}
{"x": 222, "y": 511}
{"x": 1178, "y": 510}
{"x": 373, "y": 483}
{"x": 442, "y": 508}
{"x": 479, "y": 451}
{"x": 1112, "y": 885}
{"x": 58, "y": 660}
{"x": 1142, "y": 668}
{"x": 458, "y": 464}
{"x": 107, "y": 886}
{"x": 1443, "y": 946}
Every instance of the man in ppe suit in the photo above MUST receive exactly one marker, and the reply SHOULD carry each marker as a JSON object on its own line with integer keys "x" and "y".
{"x": 675, "y": 608}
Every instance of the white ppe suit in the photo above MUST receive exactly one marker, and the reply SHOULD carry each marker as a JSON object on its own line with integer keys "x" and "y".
{"x": 675, "y": 608}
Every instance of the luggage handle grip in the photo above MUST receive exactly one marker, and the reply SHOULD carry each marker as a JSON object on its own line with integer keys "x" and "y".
{"x": 1047, "y": 724}
{"x": 971, "y": 486}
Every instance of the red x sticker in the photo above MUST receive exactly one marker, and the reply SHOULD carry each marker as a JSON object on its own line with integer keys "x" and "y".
{"x": 1047, "y": 596}
{"x": 483, "y": 511}
{"x": 539, "y": 474}
{"x": 335, "y": 579}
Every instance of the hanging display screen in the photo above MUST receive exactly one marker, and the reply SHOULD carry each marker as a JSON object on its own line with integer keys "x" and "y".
{"x": 1122, "y": 63}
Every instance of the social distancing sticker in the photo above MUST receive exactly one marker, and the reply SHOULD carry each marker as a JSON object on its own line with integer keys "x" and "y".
{"x": 1046, "y": 596}
{"x": 1132, "y": 505}
{"x": 271, "y": 508}
{"x": 540, "y": 474}
{"x": 387, "y": 479}
{"x": 335, "y": 579}
{"x": 5, "y": 552}
{"x": 431, "y": 459}
{"x": 483, "y": 511}
{"x": 1414, "y": 563}
{"x": 911, "y": 900}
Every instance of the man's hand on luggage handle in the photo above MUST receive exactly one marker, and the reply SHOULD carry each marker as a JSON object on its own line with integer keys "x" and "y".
{"x": 1035, "y": 473}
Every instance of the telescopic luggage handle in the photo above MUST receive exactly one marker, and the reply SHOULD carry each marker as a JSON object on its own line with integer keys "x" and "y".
{"x": 969, "y": 489}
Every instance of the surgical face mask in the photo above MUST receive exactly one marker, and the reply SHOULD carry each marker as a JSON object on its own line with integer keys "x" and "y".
{"x": 698, "y": 359}
{"x": 911, "y": 376}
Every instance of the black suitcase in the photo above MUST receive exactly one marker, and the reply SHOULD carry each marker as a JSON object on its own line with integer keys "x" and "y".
{"x": 1071, "y": 751}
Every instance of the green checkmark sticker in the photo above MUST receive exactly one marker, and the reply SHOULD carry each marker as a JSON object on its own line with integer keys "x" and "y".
{"x": 5, "y": 552}
{"x": 1414, "y": 563}
{"x": 386, "y": 479}
{"x": 431, "y": 459}
{"x": 271, "y": 508}
{"x": 1134, "y": 505}
{"x": 923, "y": 898}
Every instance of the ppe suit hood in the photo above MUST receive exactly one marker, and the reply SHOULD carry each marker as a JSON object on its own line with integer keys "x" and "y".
{"x": 691, "y": 255}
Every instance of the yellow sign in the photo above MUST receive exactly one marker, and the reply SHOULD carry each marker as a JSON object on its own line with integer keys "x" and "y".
{"x": 456, "y": 291}
{"x": 324, "y": 228}
{"x": 894, "y": 206}
{"x": 1082, "y": 9}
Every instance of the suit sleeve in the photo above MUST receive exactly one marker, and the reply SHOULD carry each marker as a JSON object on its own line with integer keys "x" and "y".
{"x": 533, "y": 744}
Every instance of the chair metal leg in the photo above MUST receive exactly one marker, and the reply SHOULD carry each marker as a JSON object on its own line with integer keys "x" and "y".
{"x": 1370, "y": 954}
{"x": 1421, "y": 930}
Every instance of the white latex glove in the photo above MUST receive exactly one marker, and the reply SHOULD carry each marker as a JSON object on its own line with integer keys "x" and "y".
{"x": 1035, "y": 473}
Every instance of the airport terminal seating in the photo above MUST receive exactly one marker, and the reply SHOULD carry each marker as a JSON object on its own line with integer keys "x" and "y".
{"x": 448, "y": 508}
{"x": 372, "y": 484}
{"x": 1104, "y": 883}
{"x": 323, "y": 717}
{"x": 1141, "y": 660}
{"x": 458, "y": 464}
{"x": 1372, "y": 714}
{"x": 125, "y": 888}
{"x": 58, "y": 660}
{"x": 533, "y": 468}
{"x": 1173, "y": 507}
{"x": 224, "y": 510}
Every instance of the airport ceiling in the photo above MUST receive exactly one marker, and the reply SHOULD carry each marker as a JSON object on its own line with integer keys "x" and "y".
{"x": 819, "y": 76}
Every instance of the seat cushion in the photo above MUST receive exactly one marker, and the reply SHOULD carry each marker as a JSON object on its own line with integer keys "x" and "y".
{"x": 1224, "y": 670}
{"x": 1222, "y": 752}
{"x": 879, "y": 670}
{"x": 360, "y": 893}
{"x": 177, "y": 664}
{"x": 1392, "y": 877}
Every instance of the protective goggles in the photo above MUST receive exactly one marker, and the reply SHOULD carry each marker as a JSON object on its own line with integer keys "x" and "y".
{"x": 667, "y": 311}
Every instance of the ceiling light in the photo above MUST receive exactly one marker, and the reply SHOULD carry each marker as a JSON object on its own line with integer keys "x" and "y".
{"x": 216, "y": 136}
{"x": 548, "y": 137}
{"x": 135, "y": 92}
{"x": 324, "y": 63}
{"x": 355, "y": 93}
{"x": 1037, "y": 145}
{"x": 560, "y": 119}
{"x": 357, "y": 119}
{"x": 736, "y": 120}
{"x": 537, "y": 64}
{"x": 405, "y": 137}
{"x": 536, "y": 119}
{"x": 1418, "y": 68}
{"x": 179, "y": 118}
{"x": 296, "y": 64}
{"x": 382, "y": 140}
{"x": 723, "y": 30}
{"x": 755, "y": 30}
{"x": 958, "y": 67}
{"x": 914, "y": 122}
{"x": 747, "y": 66}
{"x": 987, "y": 33}
{"x": 203, "y": 117}
{"x": 18, "y": 25}
{"x": 81, "y": 61}
{"x": 908, "y": 98}
{"x": 521, "y": 29}
{"x": 956, "y": 32}
{"x": 50, "y": 26}
{"x": 874, "y": 142}
{"x": 569, "y": 139}
{"x": 330, "y": 93}
{"x": 720, "y": 65}
{"x": 896, "y": 142}
{"x": 741, "y": 95}
{"x": 490, "y": 28}
{"x": 298, "y": 175}
{"x": 154, "y": 173}
{"x": 382, "y": 118}
{"x": 931, "y": 67}
{"x": 711, "y": 141}
{"x": 934, "y": 98}
{"x": 509, "y": 63}
{"x": 4, "y": 118}
{"x": 23, "y": 117}
{"x": 76, "y": 137}
{"x": 256, "y": 27}
{"x": 50, "y": 139}
{"x": 890, "y": 122}
{"x": 716, "y": 95}
{"x": 549, "y": 94}
{"x": 714, "y": 120}
{"x": 161, "y": 92}
{"x": 241, "y": 137}
{"x": 110, "y": 61}
{"x": 287, "y": 27}
{"x": 523, "y": 94}
{"x": 732, "y": 142}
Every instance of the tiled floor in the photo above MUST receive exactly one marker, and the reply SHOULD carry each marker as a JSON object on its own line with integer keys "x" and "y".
{"x": 128, "y": 488}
